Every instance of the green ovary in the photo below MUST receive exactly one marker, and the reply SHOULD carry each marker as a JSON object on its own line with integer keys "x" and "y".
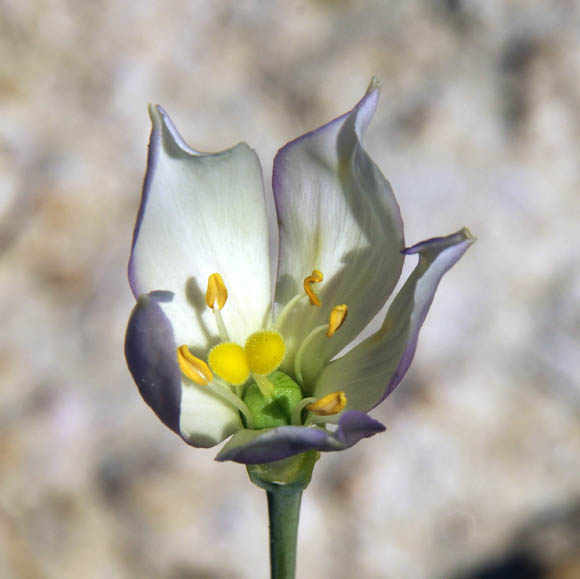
{"x": 275, "y": 410}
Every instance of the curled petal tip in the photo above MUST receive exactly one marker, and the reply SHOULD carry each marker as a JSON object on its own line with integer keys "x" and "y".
{"x": 158, "y": 115}
{"x": 463, "y": 236}
{"x": 152, "y": 110}
{"x": 468, "y": 235}
{"x": 373, "y": 85}
{"x": 170, "y": 138}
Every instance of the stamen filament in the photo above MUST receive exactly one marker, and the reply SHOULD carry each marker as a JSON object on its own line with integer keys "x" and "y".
{"x": 283, "y": 315}
{"x": 300, "y": 354}
{"x": 225, "y": 337}
{"x": 222, "y": 390}
{"x": 296, "y": 417}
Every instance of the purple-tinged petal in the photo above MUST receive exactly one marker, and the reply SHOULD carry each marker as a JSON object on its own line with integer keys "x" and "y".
{"x": 200, "y": 214}
{"x": 150, "y": 352}
{"x": 374, "y": 368}
{"x": 261, "y": 446}
{"x": 190, "y": 410}
{"x": 337, "y": 213}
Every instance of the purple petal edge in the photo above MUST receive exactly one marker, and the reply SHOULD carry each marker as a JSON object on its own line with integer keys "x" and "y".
{"x": 150, "y": 353}
{"x": 454, "y": 246}
{"x": 368, "y": 103}
{"x": 262, "y": 446}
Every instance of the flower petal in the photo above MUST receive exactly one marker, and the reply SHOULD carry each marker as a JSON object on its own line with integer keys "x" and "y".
{"x": 260, "y": 446}
{"x": 373, "y": 369}
{"x": 197, "y": 415}
{"x": 337, "y": 213}
{"x": 150, "y": 353}
{"x": 201, "y": 214}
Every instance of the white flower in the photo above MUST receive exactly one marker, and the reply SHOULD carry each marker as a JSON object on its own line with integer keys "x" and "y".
{"x": 209, "y": 338}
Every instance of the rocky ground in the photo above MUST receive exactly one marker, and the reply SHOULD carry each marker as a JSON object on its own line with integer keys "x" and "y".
{"x": 478, "y": 125}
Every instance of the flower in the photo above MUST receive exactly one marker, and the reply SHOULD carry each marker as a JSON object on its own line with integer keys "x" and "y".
{"x": 236, "y": 334}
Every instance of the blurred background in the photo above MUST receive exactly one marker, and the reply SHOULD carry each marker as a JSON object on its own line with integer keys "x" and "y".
{"x": 478, "y": 475}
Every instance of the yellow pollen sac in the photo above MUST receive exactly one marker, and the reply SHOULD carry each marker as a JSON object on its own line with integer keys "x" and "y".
{"x": 315, "y": 277}
{"x": 192, "y": 367}
{"x": 265, "y": 352}
{"x": 328, "y": 405}
{"x": 336, "y": 319}
{"x": 229, "y": 362}
{"x": 217, "y": 293}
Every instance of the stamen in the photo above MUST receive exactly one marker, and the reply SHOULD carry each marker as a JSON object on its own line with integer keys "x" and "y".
{"x": 328, "y": 405}
{"x": 315, "y": 277}
{"x": 198, "y": 371}
{"x": 336, "y": 319}
{"x": 193, "y": 367}
{"x": 228, "y": 360}
{"x": 217, "y": 293}
{"x": 215, "y": 298}
{"x": 222, "y": 390}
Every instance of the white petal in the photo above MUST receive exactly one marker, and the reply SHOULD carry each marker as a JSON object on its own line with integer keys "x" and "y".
{"x": 205, "y": 420}
{"x": 337, "y": 213}
{"x": 201, "y": 214}
{"x": 200, "y": 417}
{"x": 373, "y": 369}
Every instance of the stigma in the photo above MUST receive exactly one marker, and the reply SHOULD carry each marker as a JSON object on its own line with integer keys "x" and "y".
{"x": 228, "y": 360}
{"x": 265, "y": 352}
{"x": 262, "y": 354}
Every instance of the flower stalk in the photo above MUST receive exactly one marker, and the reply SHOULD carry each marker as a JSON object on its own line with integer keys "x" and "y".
{"x": 284, "y": 515}
{"x": 284, "y": 480}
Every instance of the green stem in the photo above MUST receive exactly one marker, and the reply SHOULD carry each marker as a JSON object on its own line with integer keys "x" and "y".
{"x": 284, "y": 480}
{"x": 284, "y": 513}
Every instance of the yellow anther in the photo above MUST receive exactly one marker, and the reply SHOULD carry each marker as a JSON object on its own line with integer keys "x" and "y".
{"x": 328, "y": 405}
{"x": 229, "y": 362}
{"x": 315, "y": 277}
{"x": 217, "y": 293}
{"x": 192, "y": 367}
{"x": 265, "y": 352}
{"x": 336, "y": 319}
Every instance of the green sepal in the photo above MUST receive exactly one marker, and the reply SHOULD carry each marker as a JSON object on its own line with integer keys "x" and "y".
{"x": 293, "y": 472}
{"x": 275, "y": 410}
